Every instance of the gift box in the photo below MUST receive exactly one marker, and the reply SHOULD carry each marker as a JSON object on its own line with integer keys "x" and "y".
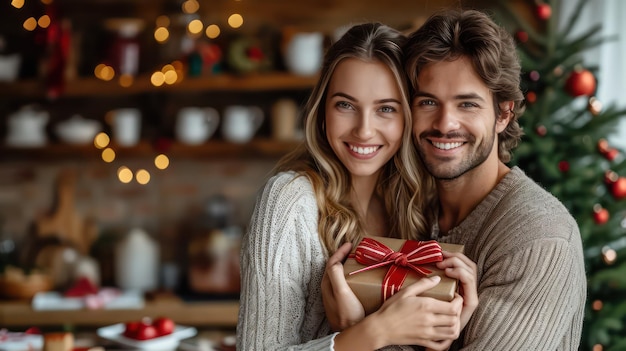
{"x": 387, "y": 264}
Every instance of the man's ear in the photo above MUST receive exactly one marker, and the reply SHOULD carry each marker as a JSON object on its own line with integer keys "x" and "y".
{"x": 506, "y": 114}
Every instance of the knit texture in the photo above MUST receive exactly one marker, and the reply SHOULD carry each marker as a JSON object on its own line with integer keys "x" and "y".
{"x": 531, "y": 275}
{"x": 282, "y": 264}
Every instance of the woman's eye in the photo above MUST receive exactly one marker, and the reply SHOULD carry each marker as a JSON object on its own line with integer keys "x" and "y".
{"x": 343, "y": 104}
{"x": 387, "y": 109}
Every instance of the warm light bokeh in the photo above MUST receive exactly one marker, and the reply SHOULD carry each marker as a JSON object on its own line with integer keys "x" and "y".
{"x": 108, "y": 155}
{"x": 124, "y": 174}
{"x": 142, "y": 176}
{"x": 101, "y": 140}
{"x": 212, "y": 31}
{"x": 235, "y": 20}
{"x": 161, "y": 161}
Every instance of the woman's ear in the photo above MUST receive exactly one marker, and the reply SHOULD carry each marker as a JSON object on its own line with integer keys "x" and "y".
{"x": 505, "y": 116}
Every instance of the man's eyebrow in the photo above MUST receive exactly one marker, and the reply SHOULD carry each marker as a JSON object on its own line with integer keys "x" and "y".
{"x": 468, "y": 96}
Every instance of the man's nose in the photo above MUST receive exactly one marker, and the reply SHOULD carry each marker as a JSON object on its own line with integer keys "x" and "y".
{"x": 446, "y": 120}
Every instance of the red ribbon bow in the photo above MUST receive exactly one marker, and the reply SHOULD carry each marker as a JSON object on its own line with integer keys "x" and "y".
{"x": 375, "y": 254}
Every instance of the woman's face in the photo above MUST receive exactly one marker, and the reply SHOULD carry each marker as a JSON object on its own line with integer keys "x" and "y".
{"x": 364, "y": 116}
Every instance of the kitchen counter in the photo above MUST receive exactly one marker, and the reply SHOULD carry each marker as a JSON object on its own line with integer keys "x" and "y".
{"x": 219, "y": 314}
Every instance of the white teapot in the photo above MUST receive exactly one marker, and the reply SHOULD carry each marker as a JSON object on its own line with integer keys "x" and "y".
{"x": 27, "y": 127}
{"x": 241, "y": 122}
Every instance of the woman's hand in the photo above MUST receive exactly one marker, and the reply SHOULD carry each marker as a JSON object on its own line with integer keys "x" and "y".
{"x": 342, "y": 307}
{"x": 458, "y": 266}
{"x": 409, "y": 319}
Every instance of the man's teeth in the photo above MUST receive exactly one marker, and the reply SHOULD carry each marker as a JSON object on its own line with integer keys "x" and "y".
{"x": 364, "y": 150}
{"x": 446, "y": 146}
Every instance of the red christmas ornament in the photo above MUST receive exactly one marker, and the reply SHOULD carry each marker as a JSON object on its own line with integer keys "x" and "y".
{"x": 619, "y": 188}
{"x": 544, "y": 11}
{"x": 521, "y": 36}
{"x": 603, "y": 146}
{"x": 600, "y": 215}
{"x": 541, "y": 130}
{"x": 531, "y": 97}
{"x": 610, "y": 177}
{"x": 611, "y": 154}
{"x": 580, "y": 82}
{"x": 563, "y": 166}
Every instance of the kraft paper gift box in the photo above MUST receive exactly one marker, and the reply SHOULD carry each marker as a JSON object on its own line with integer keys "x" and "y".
{"x": 368, "y": 284}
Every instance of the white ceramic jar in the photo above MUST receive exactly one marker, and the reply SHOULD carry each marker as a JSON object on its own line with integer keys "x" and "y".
{"x": 137, "y": 262}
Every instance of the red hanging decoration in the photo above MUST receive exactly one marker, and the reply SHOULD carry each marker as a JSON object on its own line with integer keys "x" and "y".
{"x": 541, "y": 130}
{"x": 611, "y": 154}
{"x": 531, "y": 97}
{"x": 580, "y": 82}
{"x": 563, "y": 166}
{"x": 521, "y": 36}
{"x": 600, "y": 214}
{"x": 603, "y": 146}
{"x": 544, "y": 11}
{"x": 619, "y": 188}
{"x": 610, "y": 177}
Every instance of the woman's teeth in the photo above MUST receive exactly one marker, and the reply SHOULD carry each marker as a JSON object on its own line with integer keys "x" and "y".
{"x": 364, "y": 150}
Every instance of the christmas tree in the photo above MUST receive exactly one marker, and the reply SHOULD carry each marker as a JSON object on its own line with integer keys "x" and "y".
{"x": 565, "y": 149}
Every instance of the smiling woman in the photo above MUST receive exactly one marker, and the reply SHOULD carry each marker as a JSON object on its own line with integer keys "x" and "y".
{"x": 355, "y": 167}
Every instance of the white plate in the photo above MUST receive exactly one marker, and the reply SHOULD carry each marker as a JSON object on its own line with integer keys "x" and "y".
{"x": 167, "y": 342}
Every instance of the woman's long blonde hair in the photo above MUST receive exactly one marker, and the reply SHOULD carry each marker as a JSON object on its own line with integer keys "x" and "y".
{"x": 405, "y": 186}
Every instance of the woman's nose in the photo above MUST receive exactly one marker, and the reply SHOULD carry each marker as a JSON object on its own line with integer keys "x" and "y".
{"x": 365, "y": 127}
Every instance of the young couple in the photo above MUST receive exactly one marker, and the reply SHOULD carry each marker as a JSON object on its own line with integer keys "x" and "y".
{"x": 450, "y": 93}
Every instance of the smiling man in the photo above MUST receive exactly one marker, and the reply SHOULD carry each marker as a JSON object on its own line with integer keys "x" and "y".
{"x": 466, "y": 99}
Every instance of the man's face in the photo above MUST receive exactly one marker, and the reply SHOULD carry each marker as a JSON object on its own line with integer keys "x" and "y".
{"x": 454, "y": 122}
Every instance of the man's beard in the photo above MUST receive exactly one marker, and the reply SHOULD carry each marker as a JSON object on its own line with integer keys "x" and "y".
{"x": 446, "y": 171}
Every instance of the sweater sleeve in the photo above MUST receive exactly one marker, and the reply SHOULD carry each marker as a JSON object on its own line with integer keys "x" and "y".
{"x": 529, "y": 297}
{"x": 282, "y": 263}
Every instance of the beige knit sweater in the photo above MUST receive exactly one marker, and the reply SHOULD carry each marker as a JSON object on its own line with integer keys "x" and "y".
{"x": 531, "y": 275}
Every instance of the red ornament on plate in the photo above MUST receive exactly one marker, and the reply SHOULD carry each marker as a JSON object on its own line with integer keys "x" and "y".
{"x": 581, "y": 82}
{"x": 544, "y": 11}
{"x": 619, "y": 188}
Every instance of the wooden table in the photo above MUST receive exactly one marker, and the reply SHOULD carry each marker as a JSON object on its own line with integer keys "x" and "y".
{"x": 219, "y": 314}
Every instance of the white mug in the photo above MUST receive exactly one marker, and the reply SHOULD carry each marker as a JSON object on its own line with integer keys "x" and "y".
{"x": 195, "y": 125}
{"x": 304, "y": 53}
{"x": 241, "y": 123}
{"x": 126, "y": 126}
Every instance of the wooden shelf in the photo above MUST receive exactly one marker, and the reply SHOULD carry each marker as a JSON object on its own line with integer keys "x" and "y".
{"x": 88, "y": 87}
{"x": 221, "y": 314}
{"x": 213, "y": 149}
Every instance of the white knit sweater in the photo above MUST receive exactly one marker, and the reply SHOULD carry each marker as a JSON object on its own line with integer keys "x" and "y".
{"x": 282, "y": 264}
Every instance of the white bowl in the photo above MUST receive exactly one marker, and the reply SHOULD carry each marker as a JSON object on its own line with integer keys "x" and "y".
{"x": 77, "y": 130}
{"x": 115, "y": 333}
